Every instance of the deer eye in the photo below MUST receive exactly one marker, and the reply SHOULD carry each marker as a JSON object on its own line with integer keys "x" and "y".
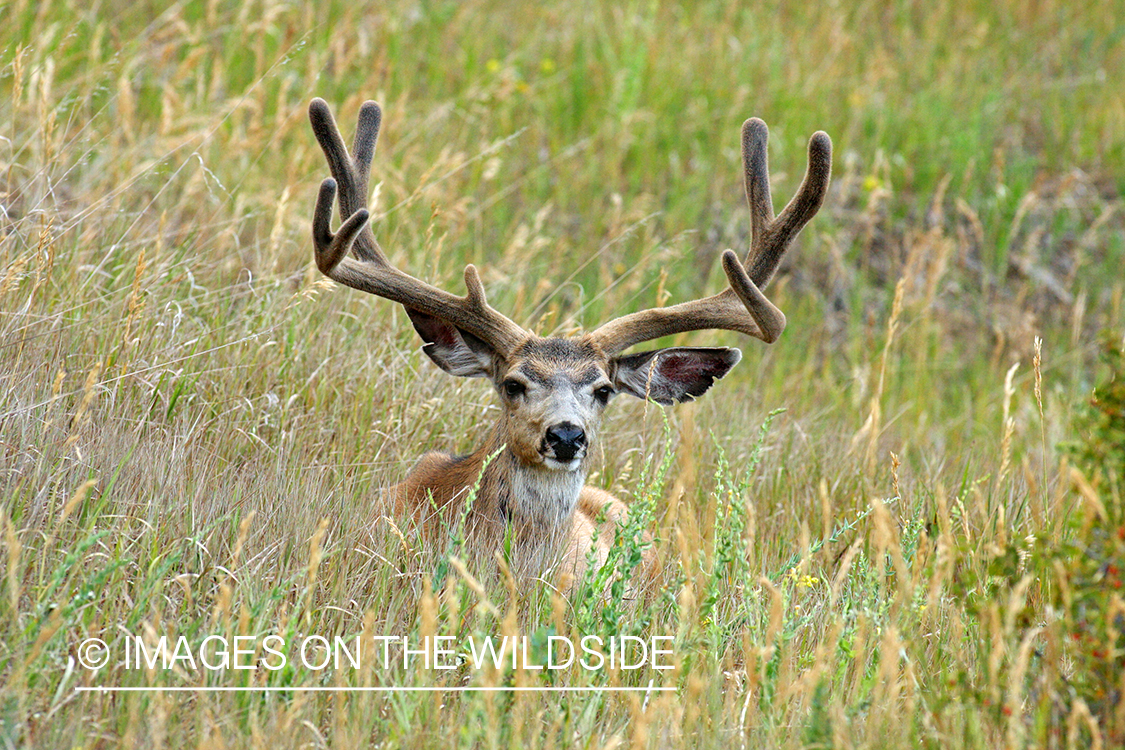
{"x": 603, "y": 393}
{"x": 513, "y": 388}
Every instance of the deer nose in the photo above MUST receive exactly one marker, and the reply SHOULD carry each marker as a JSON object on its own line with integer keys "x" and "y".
{"x": 566, "y": 440}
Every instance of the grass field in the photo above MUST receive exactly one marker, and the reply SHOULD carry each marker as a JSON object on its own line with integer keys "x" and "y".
{"x": 873, "y": 533}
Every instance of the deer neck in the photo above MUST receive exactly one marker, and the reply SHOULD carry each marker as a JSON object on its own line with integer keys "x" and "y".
{"x": 534, "y": 499}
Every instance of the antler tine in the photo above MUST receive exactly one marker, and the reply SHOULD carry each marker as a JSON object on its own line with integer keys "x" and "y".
{"x": 363, "y": 147}
{"x": 331, "y": 248}
{"x": 755, "y": 168}
{"x": 370, "y": 271}
{"x": 770, "y": 237}
{"x": 742, "y": 307}
{"x": 350, "y": 173}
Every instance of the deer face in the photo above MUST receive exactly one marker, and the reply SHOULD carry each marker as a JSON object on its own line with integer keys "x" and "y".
{"x": 555, "y": 390}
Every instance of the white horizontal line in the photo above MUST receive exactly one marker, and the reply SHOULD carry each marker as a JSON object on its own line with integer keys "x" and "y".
{"x": 335, "y": 689}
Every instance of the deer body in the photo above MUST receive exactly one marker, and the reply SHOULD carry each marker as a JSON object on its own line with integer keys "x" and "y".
{"x": 577, "y": 518}
{"x": 530, "y": 472}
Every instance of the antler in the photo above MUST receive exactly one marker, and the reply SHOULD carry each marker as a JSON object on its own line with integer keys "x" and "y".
{"x": 369, "y": 270}
{"x": 742, "y": 307}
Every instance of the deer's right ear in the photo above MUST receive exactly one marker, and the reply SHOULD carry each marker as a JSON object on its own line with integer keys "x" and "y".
{"x": 453, "y": 350}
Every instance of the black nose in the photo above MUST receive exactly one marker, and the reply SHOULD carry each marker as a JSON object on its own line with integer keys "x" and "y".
{"x": 565, "y": 440}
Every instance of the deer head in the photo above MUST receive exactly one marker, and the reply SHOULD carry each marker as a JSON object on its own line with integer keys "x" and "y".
{"x": 554, "y": 390}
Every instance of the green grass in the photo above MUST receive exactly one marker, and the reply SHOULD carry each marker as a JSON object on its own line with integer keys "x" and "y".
{"x": 194, "y": 423}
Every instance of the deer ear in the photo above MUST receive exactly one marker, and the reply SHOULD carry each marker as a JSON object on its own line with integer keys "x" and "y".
{"x": 678, "y": 373}
{"x": 453, "y": 350}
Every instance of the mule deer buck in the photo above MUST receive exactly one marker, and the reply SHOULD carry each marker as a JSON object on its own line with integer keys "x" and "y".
{"x": 552, "y": 390}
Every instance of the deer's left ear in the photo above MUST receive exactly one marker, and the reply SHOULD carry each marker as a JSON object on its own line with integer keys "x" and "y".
{"x": 679, "y": 373}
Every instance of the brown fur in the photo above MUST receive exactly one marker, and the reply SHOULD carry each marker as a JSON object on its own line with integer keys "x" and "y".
{"x": 448, "y": 479}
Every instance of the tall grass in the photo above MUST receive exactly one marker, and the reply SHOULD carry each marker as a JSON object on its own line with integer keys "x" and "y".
{"x": 194, "y": 423}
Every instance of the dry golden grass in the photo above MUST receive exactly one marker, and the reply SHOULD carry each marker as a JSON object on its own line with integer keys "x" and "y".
{"x": 193, "y": 423}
